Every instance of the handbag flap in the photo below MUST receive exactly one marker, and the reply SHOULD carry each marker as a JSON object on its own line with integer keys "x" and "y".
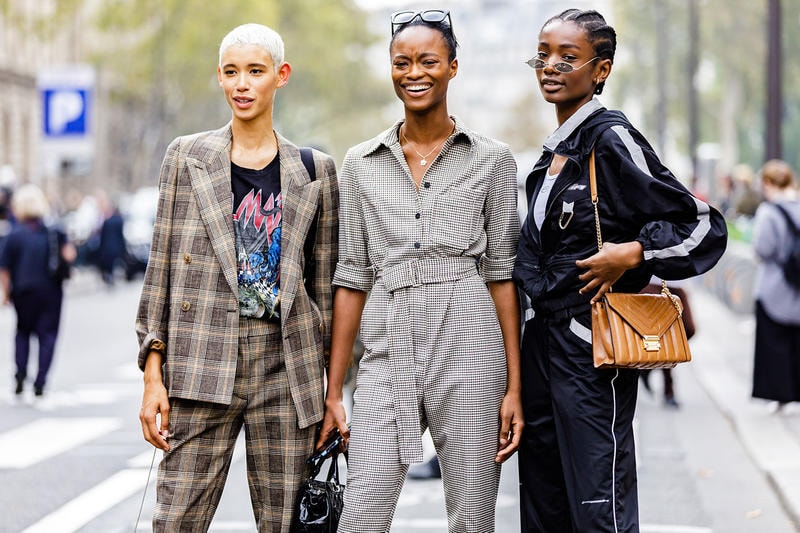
{"x": 647, "y": 314}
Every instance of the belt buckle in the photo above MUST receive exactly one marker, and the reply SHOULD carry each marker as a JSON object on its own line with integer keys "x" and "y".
{"x": 414, "y": 273}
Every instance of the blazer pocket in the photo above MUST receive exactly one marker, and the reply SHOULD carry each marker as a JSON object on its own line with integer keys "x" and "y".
{"x": 302, "y": 332}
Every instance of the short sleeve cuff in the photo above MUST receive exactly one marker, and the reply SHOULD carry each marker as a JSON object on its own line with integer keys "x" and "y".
{"x": 493, "y": 269}
{"x": 354, "y": 277}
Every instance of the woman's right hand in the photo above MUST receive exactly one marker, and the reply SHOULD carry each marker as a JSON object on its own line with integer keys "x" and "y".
{"x": 604, "y": 268}
{"x": 335, "y": 418}
{"x": 154, "y": 415}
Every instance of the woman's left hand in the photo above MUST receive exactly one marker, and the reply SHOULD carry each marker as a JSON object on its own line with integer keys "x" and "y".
{"x": 511, "y": 424}
{"x": 604, "y": 268}
{"x": 335, "y": 419}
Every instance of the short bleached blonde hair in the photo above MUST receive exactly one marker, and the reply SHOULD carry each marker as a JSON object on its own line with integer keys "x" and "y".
{"x": 256, "y": 35}
{"x": 29, "y": 203}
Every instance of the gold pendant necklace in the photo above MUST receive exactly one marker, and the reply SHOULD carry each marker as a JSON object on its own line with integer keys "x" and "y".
{"x": 423, "y": 158}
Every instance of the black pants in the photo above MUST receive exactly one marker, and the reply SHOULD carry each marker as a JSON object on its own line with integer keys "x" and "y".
{"x": 38, "y": 313}
{"x": 577, "y": 465}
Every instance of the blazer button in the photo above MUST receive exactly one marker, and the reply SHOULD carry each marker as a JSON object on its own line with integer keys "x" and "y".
{"x": 185, "y": 306}
{"x": 187, "y": 258}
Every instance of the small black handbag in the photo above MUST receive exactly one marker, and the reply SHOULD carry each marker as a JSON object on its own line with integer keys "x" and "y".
{"x": 319, "y": 503}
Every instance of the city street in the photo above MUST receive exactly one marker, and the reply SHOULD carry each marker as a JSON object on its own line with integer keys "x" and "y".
{"x": 75, "y": 460}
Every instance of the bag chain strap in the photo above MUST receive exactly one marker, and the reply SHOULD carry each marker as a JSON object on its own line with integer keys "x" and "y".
{"x": 593, "y": 188}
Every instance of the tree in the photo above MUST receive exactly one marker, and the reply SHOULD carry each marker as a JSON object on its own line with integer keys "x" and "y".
{"x": 160, "y": 70}
{"x": 731, "y": 80}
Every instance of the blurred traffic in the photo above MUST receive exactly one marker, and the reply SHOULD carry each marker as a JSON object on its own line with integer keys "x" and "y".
{"x": 83, "y": 221}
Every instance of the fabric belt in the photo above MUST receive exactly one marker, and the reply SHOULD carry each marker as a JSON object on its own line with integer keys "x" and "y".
{"x": 397, "y": 280}
{"x": 424, "y": 271}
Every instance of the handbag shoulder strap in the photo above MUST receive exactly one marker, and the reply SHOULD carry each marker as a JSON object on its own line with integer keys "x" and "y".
{"x": 593, "y": 189}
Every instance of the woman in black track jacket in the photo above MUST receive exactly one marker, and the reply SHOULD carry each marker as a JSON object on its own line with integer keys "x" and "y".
{"x": 577, "y": 464}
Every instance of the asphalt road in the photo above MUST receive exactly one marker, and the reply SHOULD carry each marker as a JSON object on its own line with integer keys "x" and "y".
{"x": 75, "y": 460}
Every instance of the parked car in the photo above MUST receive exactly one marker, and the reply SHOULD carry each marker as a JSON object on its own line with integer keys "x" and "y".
{"x": 139, "y": 212}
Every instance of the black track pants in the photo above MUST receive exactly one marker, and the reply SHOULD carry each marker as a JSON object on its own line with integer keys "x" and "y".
{"x": 577, "y": 465}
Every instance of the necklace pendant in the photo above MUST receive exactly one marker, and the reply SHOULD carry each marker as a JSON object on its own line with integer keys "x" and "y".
{"x": 423, "y": 162}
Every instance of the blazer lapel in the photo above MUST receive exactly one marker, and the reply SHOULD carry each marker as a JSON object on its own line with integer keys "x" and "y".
{"x": 299, "y": 208}
{"x": 209, "y": 166}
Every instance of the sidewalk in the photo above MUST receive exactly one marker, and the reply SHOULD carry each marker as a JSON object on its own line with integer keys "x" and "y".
{"x": 723, "y": 349}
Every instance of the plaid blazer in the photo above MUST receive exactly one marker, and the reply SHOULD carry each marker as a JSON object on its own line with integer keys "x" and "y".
{"x": 189, "y": 298}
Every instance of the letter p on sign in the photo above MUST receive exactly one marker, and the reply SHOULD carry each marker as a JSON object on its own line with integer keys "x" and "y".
{"x": 65, "y": 112}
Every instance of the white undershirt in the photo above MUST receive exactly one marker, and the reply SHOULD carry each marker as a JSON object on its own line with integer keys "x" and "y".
{"x": 540, "y": 205}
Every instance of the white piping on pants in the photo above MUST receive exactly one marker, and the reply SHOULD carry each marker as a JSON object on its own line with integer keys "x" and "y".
{"x": 614, "y": 459}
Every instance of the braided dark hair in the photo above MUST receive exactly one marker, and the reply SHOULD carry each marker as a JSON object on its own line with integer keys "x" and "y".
{"x": 442, "y": 27}
{"x": 602, "y": 37}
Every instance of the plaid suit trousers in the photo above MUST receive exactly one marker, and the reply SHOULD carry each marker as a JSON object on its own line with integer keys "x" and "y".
{"x": 192, "y": 475}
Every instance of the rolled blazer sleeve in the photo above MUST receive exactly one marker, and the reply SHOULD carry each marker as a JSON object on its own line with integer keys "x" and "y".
{"x": 153, "y": 312}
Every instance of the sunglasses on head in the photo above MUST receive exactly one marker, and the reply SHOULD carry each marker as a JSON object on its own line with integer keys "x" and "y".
{"x": 401, "y": 18}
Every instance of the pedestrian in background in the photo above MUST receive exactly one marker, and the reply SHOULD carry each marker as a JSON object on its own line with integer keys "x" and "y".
{"x": 33, "y": 266}
{"x": 678, "y": 289}
{"x": 8, "y": 182}
{"x": 234, "y": 316}
{"x": 577, "y": 463}
{"x": 429, "y": 231}
{"x": 776, "y": 365}
{"x": 111, "y": 243}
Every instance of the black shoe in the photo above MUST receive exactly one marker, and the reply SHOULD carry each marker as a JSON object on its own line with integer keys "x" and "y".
{"x": 38, "y": 390}
{"x": 671, "y": 402}
{"x": 644, "y": 376}
{"x": 428, "y": 470}
{"x": 20, "y": 384}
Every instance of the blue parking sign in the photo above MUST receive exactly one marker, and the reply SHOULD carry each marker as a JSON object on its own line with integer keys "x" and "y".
{"x": 65, "y": 111}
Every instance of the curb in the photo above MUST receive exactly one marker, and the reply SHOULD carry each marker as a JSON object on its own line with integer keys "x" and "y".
{"x": 724, "y": 368}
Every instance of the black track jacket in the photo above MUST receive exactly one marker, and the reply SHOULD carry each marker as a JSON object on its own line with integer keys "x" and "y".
{"x": 639, "y": 199}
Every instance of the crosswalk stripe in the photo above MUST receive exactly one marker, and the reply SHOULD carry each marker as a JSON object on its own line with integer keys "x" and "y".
{"x": 114, "y": 490}
{"x": 89, "y": 505}
{"x": 47, "y": 437}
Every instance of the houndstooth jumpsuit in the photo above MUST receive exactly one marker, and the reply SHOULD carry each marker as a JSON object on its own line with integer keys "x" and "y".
{"x": 434, "y": 355}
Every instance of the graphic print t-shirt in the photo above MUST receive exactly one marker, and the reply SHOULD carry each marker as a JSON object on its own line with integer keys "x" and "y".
{"x": 257, "y": 204}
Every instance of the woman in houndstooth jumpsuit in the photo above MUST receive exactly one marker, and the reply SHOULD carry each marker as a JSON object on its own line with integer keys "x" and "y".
{"x": 429, "y": 223}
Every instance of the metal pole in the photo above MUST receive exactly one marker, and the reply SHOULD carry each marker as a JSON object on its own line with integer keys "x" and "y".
{"x": 773, "y": 148}
{"x": 694, "y": 37}
{"x": 661, "y": 76}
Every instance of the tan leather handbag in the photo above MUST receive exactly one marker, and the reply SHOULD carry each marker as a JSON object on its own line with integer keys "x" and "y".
{"x": 636, "y": 330}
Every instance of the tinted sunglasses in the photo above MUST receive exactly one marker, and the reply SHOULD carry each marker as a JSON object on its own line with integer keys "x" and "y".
{"x": 401, "y": 18}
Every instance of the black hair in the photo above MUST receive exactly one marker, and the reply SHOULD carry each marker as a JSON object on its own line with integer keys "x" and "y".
{"x": 442, "y": 27}
{"x": 601, "y": 36}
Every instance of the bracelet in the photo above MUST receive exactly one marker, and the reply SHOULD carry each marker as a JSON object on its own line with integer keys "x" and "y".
{"x": 158, "y": 346}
